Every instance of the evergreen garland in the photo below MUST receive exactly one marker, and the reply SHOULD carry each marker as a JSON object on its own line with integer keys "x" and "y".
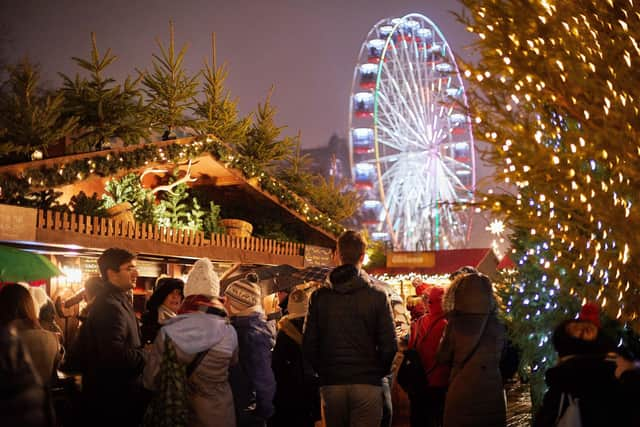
{"x": 110, "y": 163}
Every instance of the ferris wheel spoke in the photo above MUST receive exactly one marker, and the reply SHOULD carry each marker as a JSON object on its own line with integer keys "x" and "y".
{"x": 412, "y": 88}
{"x": 395, "y": 89}
{"x": 388, "y": 110}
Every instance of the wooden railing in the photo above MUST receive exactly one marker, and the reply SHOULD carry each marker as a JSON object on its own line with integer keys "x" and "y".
{"x": 107, "y": 227}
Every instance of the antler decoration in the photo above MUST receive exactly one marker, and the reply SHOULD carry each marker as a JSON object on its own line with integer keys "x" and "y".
{"x": 168, "y": 187}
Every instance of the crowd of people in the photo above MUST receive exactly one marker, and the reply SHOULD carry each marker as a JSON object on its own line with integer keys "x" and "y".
{"x": 205, "y": 356}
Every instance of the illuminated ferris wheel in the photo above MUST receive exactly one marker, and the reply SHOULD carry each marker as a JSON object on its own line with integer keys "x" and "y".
{"x": 410, "y": 138}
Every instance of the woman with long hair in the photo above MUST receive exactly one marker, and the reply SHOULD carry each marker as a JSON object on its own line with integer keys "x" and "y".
{"x": 17, "y": 310}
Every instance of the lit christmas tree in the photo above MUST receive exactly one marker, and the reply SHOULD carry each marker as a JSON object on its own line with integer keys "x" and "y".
{"x": 554, "y": 93}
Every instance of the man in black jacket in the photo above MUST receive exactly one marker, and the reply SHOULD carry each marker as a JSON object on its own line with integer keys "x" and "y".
{"x": 349, "y": 337}
{"x": 112, "y": 380}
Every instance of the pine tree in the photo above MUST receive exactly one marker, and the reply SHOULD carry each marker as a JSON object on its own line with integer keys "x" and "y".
{"x": 331, "y": 198}
{"x": 295, "y": 173}
{"x": 554, "y": 94}
{"x": 217, "y": 113}
{"x": 31, "y": 117}
{"x": 263, "y": 145}
{"x": 169, "y": 89}
{"x": 104, "y": 110}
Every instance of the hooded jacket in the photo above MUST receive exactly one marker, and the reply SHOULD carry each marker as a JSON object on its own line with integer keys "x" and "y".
{"x": 252, "y": 379}
{"x": 429, "y": 330}
{"x": 349, "y": 334}
{"x": 209, "y": 392}
{"x": 475, "y": 396}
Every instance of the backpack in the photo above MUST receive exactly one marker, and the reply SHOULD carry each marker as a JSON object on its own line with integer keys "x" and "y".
{"x": 411, "y": 375}
{"x": 571, "y": 415}
{"x": 169, "y": 404}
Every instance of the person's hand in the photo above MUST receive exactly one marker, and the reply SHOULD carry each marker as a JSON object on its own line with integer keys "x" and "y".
{"x": 623, "y": 364}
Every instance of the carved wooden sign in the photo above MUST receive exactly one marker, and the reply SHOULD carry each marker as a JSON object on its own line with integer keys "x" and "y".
{"x": 411, "y": 259}
{"x": 317, "y": 256}
{"x": 17, "y": 223}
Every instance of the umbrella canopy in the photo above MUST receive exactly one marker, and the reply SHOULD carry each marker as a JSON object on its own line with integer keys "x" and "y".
{"x": 271, "y": 278}
{"x": 312, "y": 274}
{"x": 21, "y": 266}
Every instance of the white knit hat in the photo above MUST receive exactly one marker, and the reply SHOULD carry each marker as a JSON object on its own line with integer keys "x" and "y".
{"x": 202, "y": 280}
{"x": 298, "y": 303}
{"x": 243, "y": 294}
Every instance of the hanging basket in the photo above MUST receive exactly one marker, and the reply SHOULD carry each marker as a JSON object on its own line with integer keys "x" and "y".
{"x": 237, "y": 227}
{"x": 122, "y": 212}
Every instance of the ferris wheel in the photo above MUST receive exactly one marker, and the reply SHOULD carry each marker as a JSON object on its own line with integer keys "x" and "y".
{"x": 410, "y": 138}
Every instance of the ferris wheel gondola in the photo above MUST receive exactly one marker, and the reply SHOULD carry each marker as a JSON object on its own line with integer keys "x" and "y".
{"x": 411, "y": 144}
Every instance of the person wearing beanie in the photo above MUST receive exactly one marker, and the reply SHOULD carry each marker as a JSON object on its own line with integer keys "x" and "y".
{"x": 252, "y": 379}
{"x": 591, "y": 313}
{"x": 586, "y": 371}
{"x": 163, "y": 304}
{"x": 427, "y": 405}
{"x": 206, "y": 343}
{"x": 202, "y": 280}
{"x": 297, "y": 398}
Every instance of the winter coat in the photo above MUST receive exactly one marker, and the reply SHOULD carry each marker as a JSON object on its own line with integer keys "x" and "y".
{"x": 112, "y": 379}
{"x": 591, "y": 379}
{"x": 44, "y": 348}
{"x": 349, "y": 334}
{"x": 475, "y": 396}
{"x": 252, "y": 379}
{"x": 23, "y": 400}
{"x": 297, "y": 399}
{"x": 209, "y": 392}
{"x": 433, "y": 325}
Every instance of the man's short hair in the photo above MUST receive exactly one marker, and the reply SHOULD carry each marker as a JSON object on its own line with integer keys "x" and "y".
{"x": 351, "y": 247}
{"x": 112, "y": 259}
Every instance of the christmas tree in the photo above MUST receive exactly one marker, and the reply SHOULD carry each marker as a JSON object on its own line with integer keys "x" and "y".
{"x": 217, "y": 113}
{"x": 104, "y": 110}
{"x": 30, "y": 116}
{"x": 263, "y": 145}
{"x": 554, "y": 94}
{"x": 295, "y": 173}
{"x": 169, "y": 89}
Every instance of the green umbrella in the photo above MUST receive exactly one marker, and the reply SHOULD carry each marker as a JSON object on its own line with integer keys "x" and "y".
{"x": 22, "y": 266}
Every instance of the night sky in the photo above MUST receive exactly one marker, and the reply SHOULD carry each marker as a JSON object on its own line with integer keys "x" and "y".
{"x": 307, "y": 49}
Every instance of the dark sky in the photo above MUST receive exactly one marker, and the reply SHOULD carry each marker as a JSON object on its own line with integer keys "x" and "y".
{"x": 306, "y": 48}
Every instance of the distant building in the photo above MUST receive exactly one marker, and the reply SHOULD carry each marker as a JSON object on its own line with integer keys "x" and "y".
{"x": 332, "y": 160}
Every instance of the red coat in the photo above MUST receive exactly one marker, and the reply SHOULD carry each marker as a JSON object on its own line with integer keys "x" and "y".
{"x": 428, "y": 345}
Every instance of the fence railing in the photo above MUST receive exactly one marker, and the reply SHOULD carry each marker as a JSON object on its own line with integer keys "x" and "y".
{"x": 108, "y": 227}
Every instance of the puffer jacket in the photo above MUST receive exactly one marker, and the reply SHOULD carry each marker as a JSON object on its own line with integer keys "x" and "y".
{"x": 349, "y": 334}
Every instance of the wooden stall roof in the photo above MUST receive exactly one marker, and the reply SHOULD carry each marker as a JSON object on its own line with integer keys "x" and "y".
{"x": 228, "y": 185}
